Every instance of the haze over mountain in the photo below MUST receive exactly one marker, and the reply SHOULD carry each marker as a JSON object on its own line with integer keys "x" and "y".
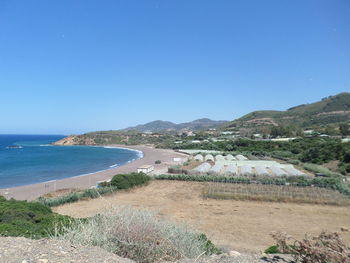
{"x": 329, "y": 110}
{"x": 163, "y": 126}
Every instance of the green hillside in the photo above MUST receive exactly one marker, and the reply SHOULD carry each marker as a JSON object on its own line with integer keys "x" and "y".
{"x": 167, "y": 126}
{"x": 330, "y": 110}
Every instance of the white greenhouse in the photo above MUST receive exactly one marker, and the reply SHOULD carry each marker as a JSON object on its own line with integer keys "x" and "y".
{"x": 240, "y": 157}
{"x": 216, "y": 169}
{"x": 231, "y": 169}
{"x": 219, "y": 157}
{"x": 202, "y": 168}
{"x": 261, "y": 170}
{"x": 209, "y": 157}
{"x": 292, "y": 171}
{"x": 199, "y": 157}
{"x": 230, "y": 157}
{"x": 246, "y": 170}
{"x": 277, "y": 171}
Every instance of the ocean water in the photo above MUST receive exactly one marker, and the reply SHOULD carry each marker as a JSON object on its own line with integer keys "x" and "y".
{"x": 28, "y": 159}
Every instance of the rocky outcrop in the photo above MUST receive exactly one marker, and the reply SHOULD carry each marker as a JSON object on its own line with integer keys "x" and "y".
{"x": 70, "y": 140}
{"x": 76, "y": 140}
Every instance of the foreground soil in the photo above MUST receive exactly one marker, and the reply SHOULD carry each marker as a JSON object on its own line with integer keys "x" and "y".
{"x": 23, "y": 250}
{"x": 244, "y": 226}
{"x": 20, "y": 249}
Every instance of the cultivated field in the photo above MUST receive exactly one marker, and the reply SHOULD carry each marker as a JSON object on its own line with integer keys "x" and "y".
{"x": 239, "y": 225}
{"x": 277, "y": 193}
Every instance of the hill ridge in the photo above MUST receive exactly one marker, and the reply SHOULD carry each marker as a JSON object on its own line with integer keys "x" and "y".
{"x": 328, "y": 110}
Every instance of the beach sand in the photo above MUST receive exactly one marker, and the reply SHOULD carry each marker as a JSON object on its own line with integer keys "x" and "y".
{"x": 150, "y": 155}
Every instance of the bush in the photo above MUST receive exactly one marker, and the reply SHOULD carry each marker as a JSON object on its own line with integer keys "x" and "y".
{"x": 174, "y": 170}
{"x": 324, "y": 248}
{"x": 272, "y": 250}
{"x": 320, "y": 169}
{"x": 126, "y": 181}
{"x": 294, "y": 162}
{"x": 139, "y": 235}
{"x": 186, "y": 163}
{"x": 28, "y": 219}
{"x": 158, "y": 162}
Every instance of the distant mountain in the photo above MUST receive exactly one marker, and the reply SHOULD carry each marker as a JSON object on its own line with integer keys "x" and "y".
{"x": 329, "y": 110}
{"x": 167, "y": 126}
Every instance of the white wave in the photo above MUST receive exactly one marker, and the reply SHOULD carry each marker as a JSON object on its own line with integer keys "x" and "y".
{"x": 14, "y": 147}
{"x": 139, "y": 153}
{"x": 44, "y": 145}
{"x": 113, "y": 166}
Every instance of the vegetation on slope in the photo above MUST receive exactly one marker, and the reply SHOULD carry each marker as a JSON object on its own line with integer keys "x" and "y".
{"x": 29, "y": 219}
{"x": 118, "y": 182}
{"x": 138, "y": 235}
{"x": 332, "y": 109}
{"x": 167, "y": 126}
{"x": 317, "y": 150}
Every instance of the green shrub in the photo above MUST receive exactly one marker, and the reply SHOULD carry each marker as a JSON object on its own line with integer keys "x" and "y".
{"x": 272, "y": 250}
{"x": 320, "y": 169}
{"x": 209, "y": 247}
{"x": 294, "y": 162}
{"x": 158, "y": 162}
{"x": 126, "y": 181}
{"x": 29, "y": 219}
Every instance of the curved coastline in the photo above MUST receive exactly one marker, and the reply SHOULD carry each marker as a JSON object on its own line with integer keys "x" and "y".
{"x": 139, "y": 155}
{"x": 149, "y": 156}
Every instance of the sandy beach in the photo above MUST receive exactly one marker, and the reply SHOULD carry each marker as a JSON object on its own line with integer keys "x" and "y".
{"x": 150, "y": 155}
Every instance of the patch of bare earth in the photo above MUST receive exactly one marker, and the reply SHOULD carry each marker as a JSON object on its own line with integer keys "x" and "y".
{"x": 20, "y": 249}
{"x": 240, "y": 225}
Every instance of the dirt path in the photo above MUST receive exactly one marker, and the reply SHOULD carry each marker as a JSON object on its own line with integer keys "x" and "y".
{"x": 239, "y": 225}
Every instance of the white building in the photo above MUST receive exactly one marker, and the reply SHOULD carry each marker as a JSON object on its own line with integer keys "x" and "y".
{"x": 145, "y": 169}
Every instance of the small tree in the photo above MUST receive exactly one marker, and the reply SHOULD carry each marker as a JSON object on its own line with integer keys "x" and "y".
{"x": 344, "y": 129}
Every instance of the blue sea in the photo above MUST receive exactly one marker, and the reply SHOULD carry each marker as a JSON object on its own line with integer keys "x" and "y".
{"x": 28, "y": 159}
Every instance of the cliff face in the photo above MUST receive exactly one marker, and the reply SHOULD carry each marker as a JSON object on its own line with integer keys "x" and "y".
{"x": 76, "y": 140}
{"x": 66, "y": 141}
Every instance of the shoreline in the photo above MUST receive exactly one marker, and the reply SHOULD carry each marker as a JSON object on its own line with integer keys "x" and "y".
{"x": 139, "y": 156}
{"x": 84, "y": 181}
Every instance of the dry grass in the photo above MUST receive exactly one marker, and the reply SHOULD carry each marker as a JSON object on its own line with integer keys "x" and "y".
{"x": 136, "y": 234}
{"x": 61, "y": 192}
{"x": 237, "y": 225}
{"x": 324, "y": 248}
{"x": 276, "y": 193}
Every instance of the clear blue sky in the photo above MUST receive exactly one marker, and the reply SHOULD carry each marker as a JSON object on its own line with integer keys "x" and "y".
{"x": 76, "y": 66}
